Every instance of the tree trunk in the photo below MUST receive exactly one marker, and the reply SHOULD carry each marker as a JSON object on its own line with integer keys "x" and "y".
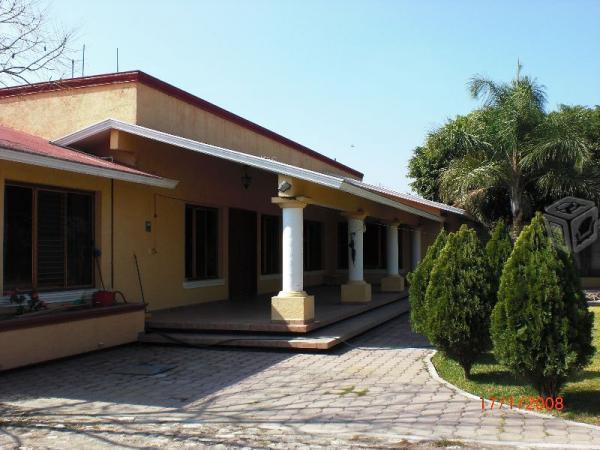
{"x": 516, "y": 209}
{"x": 466, "y": 365}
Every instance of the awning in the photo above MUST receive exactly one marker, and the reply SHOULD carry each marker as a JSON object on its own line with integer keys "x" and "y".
{"x": 402, "y": 202}
{"x": 25, "y": 148}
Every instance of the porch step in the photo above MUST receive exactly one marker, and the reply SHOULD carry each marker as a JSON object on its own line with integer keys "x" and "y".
{"x": 321, "y": 339}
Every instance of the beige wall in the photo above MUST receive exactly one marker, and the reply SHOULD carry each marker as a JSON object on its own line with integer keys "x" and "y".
{"x": 24, "y": 346}
{"x": 55, "y": 114}
{"x": 160, "y": 111}
{"x": 590, "y": 282}
{"x": 203, "y": 180}
{"x": 58, "y": 113}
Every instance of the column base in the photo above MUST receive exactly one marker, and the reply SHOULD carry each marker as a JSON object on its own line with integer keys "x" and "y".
{"x": 293, "y": 307}
{"x": 356, "y": 292}
{"x": 393, "y": 283}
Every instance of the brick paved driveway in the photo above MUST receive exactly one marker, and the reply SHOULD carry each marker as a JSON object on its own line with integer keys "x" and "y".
{"x": 375, "y": 393}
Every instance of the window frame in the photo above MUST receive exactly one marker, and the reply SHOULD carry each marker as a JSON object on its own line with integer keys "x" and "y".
{"x": 264, "y": 270}
{"x": 342, "y": 246}
{"x": 194, "y": 276}
{"x": 381, "y": 238}
{"x": 307, "y": 242}
{"x": 35, "y": 189}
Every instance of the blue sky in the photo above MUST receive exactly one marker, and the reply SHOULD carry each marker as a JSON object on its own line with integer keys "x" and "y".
{"x": 362, "y": 82}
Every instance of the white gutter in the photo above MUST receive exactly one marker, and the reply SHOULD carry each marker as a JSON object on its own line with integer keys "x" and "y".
{"x": 242, "y": 158}
{"x": 71, "y": 166}
{"x": 412, "y": 198}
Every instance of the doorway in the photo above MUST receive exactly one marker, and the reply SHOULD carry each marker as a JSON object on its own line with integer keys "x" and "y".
{"x": 242, "y": 254}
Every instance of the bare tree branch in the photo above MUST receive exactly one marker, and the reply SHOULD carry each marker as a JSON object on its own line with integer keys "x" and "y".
{"x": 30, "y": 49}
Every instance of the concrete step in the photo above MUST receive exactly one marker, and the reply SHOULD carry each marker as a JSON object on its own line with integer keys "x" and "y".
{"x": 321, "y": 339}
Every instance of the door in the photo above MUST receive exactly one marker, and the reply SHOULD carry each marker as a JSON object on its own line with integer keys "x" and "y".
{"x": 242, "y": 253}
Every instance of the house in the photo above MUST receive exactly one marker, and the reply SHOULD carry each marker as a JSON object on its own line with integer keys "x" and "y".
{"x": 123, "y": 182}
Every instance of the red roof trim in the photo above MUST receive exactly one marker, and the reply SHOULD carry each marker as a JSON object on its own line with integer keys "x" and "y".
{"x": 12, "y": 139}
{"x": 169, "y": 89}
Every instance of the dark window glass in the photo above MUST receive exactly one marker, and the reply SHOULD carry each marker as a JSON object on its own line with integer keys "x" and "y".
{"x": 189, "y": 242}
{"x": 201, "y": 242}
{"x": 62, "y": 228}
{"x": 80, "y": 240}
{"x": 342, "y": 236}
{"x": 313, "y": 247}
{"x": 270, "y": 244}
{"x": 374, "y": 243}
{"x": 400, "y": 248}
{"x": 51, "y": 245}
{"x": 18, "y": 237}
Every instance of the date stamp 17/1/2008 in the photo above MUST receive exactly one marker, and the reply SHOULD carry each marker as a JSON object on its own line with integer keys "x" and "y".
{"x": 528, "y": 403}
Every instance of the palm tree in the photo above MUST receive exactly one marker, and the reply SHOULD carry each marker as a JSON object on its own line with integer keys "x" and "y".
{"x": 512, "y": 145}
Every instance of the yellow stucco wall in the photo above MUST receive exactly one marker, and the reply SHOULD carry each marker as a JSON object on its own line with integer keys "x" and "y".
{"x": 24, "y": 346}
{"x": 55, "y": 114}
{"x": 203, "y": 180}
{"x": 160, "y": 111}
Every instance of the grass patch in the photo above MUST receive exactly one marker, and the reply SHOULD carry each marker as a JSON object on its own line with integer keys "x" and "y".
{"x": 352, "y": 390}
{"x": 491, "y": 379}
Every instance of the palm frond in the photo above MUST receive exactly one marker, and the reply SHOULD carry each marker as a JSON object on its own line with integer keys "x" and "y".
{"x": 467, "y": 175}
{"x": 489, "y": 91}
{"x": 559, "y": 141}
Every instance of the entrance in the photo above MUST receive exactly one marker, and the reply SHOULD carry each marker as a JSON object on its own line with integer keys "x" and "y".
{"x": 242, "y": 253}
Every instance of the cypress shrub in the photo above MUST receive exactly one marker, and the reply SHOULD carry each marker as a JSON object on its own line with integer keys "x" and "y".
{"x": 541, "y": 327}
{"x": 497, "y": 251}
{"x": 459, "y": 301}
{"x": 419, "y": 279}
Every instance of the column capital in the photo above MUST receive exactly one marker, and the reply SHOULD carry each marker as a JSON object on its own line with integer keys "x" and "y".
{"x": 288, "y": 202}
{"x": 360, "y": 215}
{"x": 393, "y": 223}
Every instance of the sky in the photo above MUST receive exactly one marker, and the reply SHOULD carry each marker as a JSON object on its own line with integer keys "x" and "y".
{"x": 359, "y": 81}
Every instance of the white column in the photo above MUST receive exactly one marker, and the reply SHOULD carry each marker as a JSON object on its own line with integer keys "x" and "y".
{"x": 292, "y": 304}
{"x": 392, "y": 249}
{"x": 292, "y": 269}
{"x": 416, "y": 247}
{"x": 356, "y": 290}
{"x": 355, "y": 248}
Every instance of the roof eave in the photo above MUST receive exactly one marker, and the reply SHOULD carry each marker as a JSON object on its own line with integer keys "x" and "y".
{"x": 35, "y": 159}
{"x": 269, "y": 165}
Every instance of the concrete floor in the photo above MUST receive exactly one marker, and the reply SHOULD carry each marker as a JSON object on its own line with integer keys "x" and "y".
{"x": 373, "y": 392}
{"x": 254, "y": 313}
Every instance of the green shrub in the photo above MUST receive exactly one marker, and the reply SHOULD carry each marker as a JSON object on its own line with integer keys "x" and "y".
{"x": 459, "y": 300}
{"x": 419, "y": 279}
{"x": 497, "y": 251}
{"x": 541, "y": 327}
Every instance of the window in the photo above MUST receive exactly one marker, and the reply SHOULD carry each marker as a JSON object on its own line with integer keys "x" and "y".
{"x": 401, "y": 232}
{"x": 270, "y": 252}
{"x": 342, "y": 236}
{"x": 201, "y": 242}
{"x": 48, "y": 238}
{"x": 313, "y": 248}
{"x": 374, "y": 246}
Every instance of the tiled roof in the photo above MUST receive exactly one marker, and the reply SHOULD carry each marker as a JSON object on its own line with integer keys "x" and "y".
{"x": 23, "y": 142}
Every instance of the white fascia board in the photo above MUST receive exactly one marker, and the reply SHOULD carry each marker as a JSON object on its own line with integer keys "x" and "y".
{"x": 361, "y": 192}
{"x": 409, "y": 197}
{"x": 242, "y": 158}
{"x": 71, "y": 166}
{"x": 207, "y": 149}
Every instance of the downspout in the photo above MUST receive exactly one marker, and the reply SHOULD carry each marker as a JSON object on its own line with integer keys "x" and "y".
{"x": 112, "y": 235}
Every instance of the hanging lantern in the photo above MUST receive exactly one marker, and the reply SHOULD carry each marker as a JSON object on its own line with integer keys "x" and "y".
{"x": 246, "y": 178}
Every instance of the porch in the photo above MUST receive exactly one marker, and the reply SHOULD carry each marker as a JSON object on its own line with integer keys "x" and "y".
{"x": 248, "y": 322}
{"x": 253, "y": 313}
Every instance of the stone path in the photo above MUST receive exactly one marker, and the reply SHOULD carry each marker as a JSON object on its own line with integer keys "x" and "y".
{"x": 374, "y": 392}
